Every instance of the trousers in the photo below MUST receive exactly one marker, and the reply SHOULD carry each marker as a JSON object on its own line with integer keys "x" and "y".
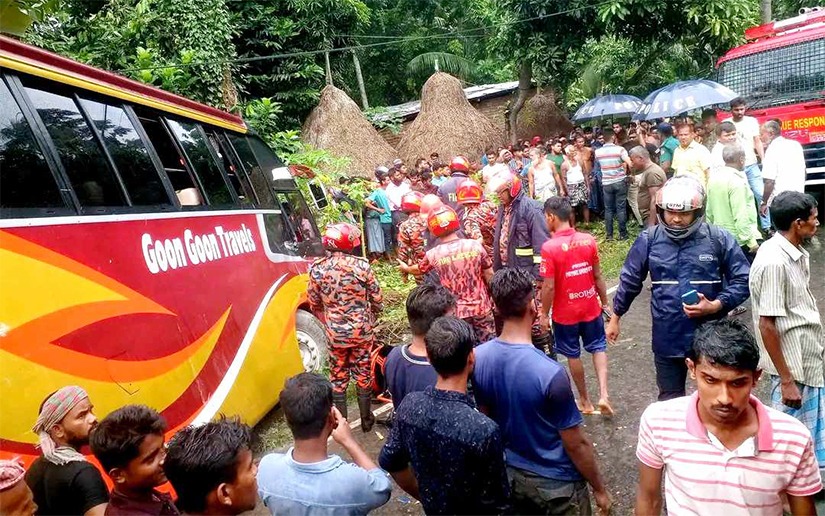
{"x": 615, "y": 206}
{"x": 671, "y": 373}
{"x": 633, "y": 201}
{"x": 754, "y": 174}
{"x": 345, "y": 362}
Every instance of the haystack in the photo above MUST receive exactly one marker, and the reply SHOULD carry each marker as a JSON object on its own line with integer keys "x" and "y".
{"x": 447, "y": 124}
{"x": 540, "y": 116}
{"x": 337, "y": 125}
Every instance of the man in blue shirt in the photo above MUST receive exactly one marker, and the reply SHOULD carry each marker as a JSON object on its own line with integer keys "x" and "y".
{"x": 306, "y": 479}
{"x": 407, "y": 368}
{"x": 549, "y": 458}
{"x": 456, "y": 452}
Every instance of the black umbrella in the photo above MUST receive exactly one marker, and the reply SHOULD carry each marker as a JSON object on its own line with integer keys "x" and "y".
{"x": 607, "y": 105}
{"x": 680, "y": 97}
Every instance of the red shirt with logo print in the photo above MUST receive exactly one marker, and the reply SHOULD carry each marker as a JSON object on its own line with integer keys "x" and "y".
{"x": 569, "y": 259}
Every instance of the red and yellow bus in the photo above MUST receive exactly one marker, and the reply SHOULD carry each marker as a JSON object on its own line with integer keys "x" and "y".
{"x": 780, "y": 71}
{"x": 152, "y": 250}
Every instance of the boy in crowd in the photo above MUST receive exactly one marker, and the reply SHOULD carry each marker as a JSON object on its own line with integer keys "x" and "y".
{"x": 721, "y": 450}
{"x": 344, "y": 293}
{"x": 572, "y": 296}
{"x": 15, "y": 496}
{"x": 62, "y": 480}
{"x": 211, "y": 468}
{"x": 442, "y": 450}
{"x": 306, "y": 479}
{"x": 550, "y": 460}
{"x": 408, "y": 368}
{"x": 129, "y": 445}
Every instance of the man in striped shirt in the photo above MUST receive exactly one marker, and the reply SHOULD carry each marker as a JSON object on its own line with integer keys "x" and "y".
{"x": 613, "y": 160}
{"x": 784, "y": 309}
{"x": 724, "y": 451}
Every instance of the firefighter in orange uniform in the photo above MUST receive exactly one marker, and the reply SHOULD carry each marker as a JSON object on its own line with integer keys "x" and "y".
{"x": 480, "y": 214}
{"x": 344, "y": 293}
{"x": 412, "y": 233}
{"x": 463, "y": 267}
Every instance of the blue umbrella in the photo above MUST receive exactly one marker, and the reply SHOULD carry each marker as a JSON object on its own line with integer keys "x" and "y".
{"x": 607, "y": 105}
{"x": 683, "y": 96}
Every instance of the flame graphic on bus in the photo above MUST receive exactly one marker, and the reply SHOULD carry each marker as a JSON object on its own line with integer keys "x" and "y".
{"x": 46, "y": 296}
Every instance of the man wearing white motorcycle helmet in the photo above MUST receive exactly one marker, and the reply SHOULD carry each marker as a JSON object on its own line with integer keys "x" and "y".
{"x": 698, "y": 273}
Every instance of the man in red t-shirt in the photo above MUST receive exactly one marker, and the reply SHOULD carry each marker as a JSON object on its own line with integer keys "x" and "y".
{"x": 464, "y": 268}
{"x": 572, "y": 296}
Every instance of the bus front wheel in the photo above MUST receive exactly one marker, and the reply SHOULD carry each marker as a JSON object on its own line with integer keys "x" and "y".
{"x": 312, "y": 341}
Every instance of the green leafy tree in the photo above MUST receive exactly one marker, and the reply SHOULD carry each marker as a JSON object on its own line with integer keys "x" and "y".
{"x": 180, "y": 45}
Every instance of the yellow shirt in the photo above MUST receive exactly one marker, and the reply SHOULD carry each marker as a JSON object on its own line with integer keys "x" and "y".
{"x": 693, "y": 161}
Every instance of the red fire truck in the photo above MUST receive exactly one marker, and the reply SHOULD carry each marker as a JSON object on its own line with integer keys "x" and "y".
{"x": 780, "y": 71}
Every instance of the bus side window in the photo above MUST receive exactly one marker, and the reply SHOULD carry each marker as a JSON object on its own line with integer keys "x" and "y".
{"x": 195, "y": 147}
{"x": 25, "y": 175}
{"x": 302, "y": 221}
{"x": 128, "y": 153}
{"x": 173, "y": 163}
{"x": 256, "y": 175}
{"x": 237, "y": 178}
{"x": 93, "y": 181}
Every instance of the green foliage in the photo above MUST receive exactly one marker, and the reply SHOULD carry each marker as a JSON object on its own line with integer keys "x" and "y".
{"x": 153, "y": 35}
{"x": 429, "y": 62}
{"x": 288, "y": 26}
{"x": 382, "y": 118}
{"x": 17, "y": 15}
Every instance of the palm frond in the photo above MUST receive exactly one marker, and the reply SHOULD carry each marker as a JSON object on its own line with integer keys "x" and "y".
{"x": 430, "y": 62}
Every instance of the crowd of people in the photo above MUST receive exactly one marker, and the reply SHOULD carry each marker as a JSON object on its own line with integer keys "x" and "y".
{"x": 486, "y": 419}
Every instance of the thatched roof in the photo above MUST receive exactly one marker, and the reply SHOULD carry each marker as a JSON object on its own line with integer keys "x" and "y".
{"x": 540, "y": 116}
{"x": 337, "y": 125}
{"x": 447, "y": 124}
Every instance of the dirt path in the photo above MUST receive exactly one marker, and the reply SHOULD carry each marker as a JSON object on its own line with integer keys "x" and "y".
{"x": 633, "y": 388}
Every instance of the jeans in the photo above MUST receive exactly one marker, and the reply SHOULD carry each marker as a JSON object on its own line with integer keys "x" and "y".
{"x": 754, "y": 174}
{"x": 615, "y": 205}
{"x": 671, "y": 373}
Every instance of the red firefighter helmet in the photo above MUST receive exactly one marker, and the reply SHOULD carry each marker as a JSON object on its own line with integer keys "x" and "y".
{"x": 429, "y": 203}
{"x": 460, "y": 164}
{"x": 411, "y": 202}
{"x": 468, "y": 192}
{"x": 341, "y": 237}
{"x": 442, "y": 221}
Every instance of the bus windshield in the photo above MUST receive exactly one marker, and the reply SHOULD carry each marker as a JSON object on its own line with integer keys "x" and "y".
{"x": 782, "y": 75}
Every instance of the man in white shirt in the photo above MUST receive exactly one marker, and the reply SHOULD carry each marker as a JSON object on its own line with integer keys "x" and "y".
{"x": 395, "y": 191}
{"x": 726, "y": 133}
{"x": 747, "y": 130}
{"x": 784, "y": 153}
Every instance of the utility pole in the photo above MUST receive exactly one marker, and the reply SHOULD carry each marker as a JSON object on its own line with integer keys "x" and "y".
{"x": 328, "y": 68}
{"x": 360, "y": 78}
{"x": 765, "y": 10}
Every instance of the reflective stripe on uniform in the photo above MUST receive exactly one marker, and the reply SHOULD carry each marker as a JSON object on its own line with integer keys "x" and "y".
{"x": 522, "y": 251}
{"x": 664, "y": 282}
{"x": 536, "y": 258}
{"x": 704, "y": 282}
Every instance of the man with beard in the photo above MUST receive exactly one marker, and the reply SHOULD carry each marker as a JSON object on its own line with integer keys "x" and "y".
{"x": 784, "y": 309}
{"x": 721, "y": 450}
{"x": 698, "y": 274}
{"x": 62, "y": 480}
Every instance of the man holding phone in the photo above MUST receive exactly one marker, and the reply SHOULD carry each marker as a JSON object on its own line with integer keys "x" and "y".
{"x": 688, "y": 257}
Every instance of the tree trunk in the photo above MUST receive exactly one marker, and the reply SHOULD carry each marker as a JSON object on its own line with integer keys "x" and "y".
{"x": 328, "y": 68}
{"x": 360, "y": 78}
{"x": 525, "y": 77}
{"x": 766, "y": 11}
